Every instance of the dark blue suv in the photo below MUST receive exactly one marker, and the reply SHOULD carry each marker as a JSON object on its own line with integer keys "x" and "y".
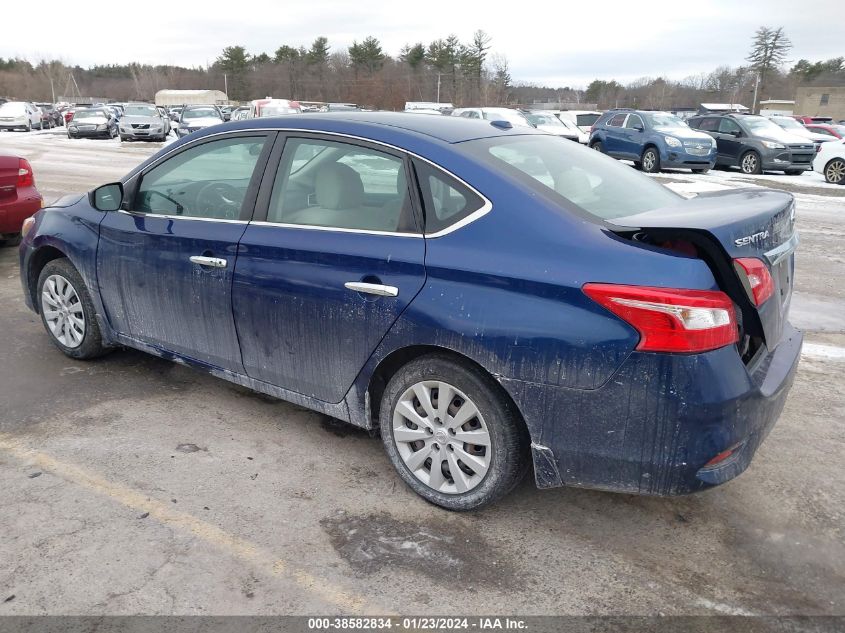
{"x": 653, "y": 140}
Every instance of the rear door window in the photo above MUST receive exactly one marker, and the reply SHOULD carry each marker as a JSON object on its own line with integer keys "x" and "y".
{"x": 617, "y": 120}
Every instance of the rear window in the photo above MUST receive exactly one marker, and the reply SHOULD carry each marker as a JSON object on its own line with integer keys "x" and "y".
{"x": 573, "y": 175}
{"x": 585, "y": 120}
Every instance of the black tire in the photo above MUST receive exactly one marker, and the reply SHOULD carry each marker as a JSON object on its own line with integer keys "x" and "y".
{"x": 650, "y": 161}
{"x": 700, "y": 171}
{"x": 834, "y": 172}
{"x": 794, "y": 172}
{"x": 749, "y": 163}
{"x": 28, "y": 127}
{"x": 124, "y": 138}
{"x": 509, "y": 457}
{"x": 597, "y": 146}
{"x": 91, "y": 345}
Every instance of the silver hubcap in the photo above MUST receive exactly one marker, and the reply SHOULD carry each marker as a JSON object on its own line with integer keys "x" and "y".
{"x": 63, "y": 311}
{"x": 442, "y": 437}
{"x": 648, "y": 161}
{"x": 835, "y": 172}
{"x": 749, "y": 163}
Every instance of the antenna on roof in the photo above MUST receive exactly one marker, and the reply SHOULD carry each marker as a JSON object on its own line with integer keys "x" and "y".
{"x": 502, "y": 125}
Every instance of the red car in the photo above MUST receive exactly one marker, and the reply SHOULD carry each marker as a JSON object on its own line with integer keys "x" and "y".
{"x": 806, "y": 120}
{"x": 829, "y": 129}
{"x": 19, "y": 198}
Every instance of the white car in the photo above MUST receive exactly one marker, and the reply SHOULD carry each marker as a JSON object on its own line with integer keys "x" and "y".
{"x": 794, "y": 127}
{"x": 830, "y": 162}
{"x": 584, "y": 119}
{"x": 514, "y": 117}
{"x": 547, "y": 121}
{"x": 19, "y": 115}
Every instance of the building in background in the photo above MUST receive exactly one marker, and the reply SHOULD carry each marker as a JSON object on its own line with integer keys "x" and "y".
{"x": 720, "y": 108}
{"x": 821, "y": 101}
{"x": 191, "y": 97}
{"x": 777, "y": 107}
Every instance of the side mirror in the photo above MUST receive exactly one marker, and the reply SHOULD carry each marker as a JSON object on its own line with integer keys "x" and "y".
{"x": 107, "y": 197}
{"x": 639, "y": 128}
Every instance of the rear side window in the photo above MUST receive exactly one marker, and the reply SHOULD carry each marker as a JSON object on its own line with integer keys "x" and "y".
{"x": 710, "y": 124}
{"x": 446, "y": 200}
{"x": 617, "y": 120}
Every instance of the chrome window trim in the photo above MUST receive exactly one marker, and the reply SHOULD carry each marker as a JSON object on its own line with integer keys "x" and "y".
{"x": 139, "y": 214}
{"x": 472, "y": 217}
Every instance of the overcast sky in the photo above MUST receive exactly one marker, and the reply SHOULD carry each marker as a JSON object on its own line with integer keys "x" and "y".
{"x": 554, "y": 43}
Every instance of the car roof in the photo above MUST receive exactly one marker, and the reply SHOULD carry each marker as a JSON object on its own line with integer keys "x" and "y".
{"x": 378, "y": 125}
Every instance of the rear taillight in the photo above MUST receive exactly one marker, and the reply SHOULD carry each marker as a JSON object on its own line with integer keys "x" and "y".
{"x": 756, "y": 278}
{"x": 670, "y": 319}
{"x": 25, "y": 177}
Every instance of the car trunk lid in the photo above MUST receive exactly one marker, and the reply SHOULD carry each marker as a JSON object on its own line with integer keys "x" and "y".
{"x": 729, "y": 225}
{"x": 9, "y": 166}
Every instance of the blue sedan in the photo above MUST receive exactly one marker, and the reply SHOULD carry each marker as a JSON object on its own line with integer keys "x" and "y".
{"x": 493, "y": 299}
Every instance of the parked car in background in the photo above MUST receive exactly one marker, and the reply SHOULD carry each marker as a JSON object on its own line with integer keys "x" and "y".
{"x": 834, "y": 130}
{"x": 754, "y": 144}
{"x": 92, "y": 123}
{"x": 197, "y": 117}
{"x": 273, "y": 107}
{"x": 240, "y": 113}
{"x": 50, "y": 115}
{"x": 226, "y": 112}
{"x": 830, "y": 162}
{"x": 342, "y": 107}
{"x": 19, "y": 199}
{"x": 792, "y": 126}
{"x": 19, "y": 115}
{"x": 67, "y": 114}
{"x": 143, "y": 121}
{"x": 531, "y": 300}
{"x": 813, "y": 119}
{"x": 584, "y": 119}
{"x": 653, "y": 140}
{"x": 175, "y": 112}
{"x": 514, "y": 117}
{"x": 547, "y": 122}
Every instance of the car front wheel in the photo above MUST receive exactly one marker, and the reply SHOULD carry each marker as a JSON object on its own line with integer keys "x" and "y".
{"x": 750, "y": 163}
{"x": 834, "y": 172}
{"x": 597, "y": 146}
{"x": 67, "y": 311}
{"x": 650, "y": 161}
{"x": 451, "y": 434}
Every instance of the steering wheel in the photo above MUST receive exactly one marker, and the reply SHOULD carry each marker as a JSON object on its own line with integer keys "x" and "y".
{"x": 220, "y": 200}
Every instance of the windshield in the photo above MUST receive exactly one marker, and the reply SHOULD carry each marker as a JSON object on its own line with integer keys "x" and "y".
{"x": 789, "y": 124}
{"x": 663, "y": 119}
{"x": 11, "y": 108}
{"x": 89, "y": 114}
{"x": 569, "y": 173}
{"x": 201, "y": 113}
{"x": 759, "y": 125}
{"x": 543, "y": 119}
{"x": 140, "y": 110}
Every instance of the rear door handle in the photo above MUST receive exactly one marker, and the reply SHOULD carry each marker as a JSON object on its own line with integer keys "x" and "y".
{"x": 213, "y": 262}
{"x": 372, "y": 289}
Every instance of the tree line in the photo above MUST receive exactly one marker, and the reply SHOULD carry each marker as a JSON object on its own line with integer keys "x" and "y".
{"x": 446, "y": 69}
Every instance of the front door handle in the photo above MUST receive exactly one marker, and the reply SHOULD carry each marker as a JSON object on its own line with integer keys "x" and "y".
{"x": 372, "y": 289}
{"x": 213, "y": 262}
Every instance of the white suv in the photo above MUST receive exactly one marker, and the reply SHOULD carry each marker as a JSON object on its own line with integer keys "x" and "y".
{"x": 19, "y": 115}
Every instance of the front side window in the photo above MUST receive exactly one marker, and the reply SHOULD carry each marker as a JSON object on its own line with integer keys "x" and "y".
{"x": 570, "y": 174}
{"x": 343, "y": 186}
{"x": 205, "y": 181}
{"x": 634, "y": 122}
{"x": 617, "y": 120}
{"x": 729, "y": 126}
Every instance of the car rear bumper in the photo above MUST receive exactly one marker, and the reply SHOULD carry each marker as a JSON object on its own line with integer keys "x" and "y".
{"x": 653, "y": 427}
{"x": 14, "y": 212}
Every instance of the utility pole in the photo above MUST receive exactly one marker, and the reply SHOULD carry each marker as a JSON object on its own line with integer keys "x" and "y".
{"x": 226, "y": 84}
{"x": 754, "y": 101}
{"x": 438, "y": 87}
{"x": 52, "y": 90}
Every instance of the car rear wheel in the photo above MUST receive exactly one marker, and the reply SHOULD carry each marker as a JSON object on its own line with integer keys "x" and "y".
{"x": 451, "y": 434}
{"x": 834, "y": 172}
{"x": 597, "y": 146}
{"x": 700, "y": 171}
{"x": 67, "y": 311}
{"x": 749, "y": 163}
{"x": 650, "y": 161}
{"x": 794, "y": 172}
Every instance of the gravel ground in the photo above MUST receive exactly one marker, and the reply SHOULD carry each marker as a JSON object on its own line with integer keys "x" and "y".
{"x": 134, "y": 485}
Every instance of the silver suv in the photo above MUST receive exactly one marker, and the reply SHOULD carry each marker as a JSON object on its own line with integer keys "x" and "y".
{"x": 754, "y": 144}
{"x": 143, "y": 121}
